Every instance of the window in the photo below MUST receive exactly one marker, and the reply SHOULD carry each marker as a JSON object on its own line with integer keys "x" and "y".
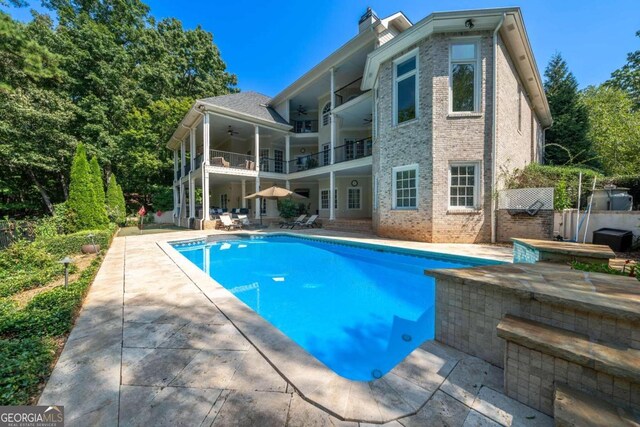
{"x": 519, "y": 108}
{"x": 326, "y": 154}
{"x": 464, "y": 77}
{"x": 324, "y": 199}
{"x": 223, "y": 201}
{"x": 326, "y": 114}
{"x": 405, "y": 187}
{"x": 354, "y": 198}
{"x": 463, "y": 186}
{"x": 406, "y": 88}
{"x": 278, "y": 161}
{"x": 264, "y": 159}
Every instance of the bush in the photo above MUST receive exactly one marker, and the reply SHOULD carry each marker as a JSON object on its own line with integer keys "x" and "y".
{"x": 51, "y": 226}
{"x": 69, "y": 244}
{"x": 288, "y": 208}
{"x": 162, "y": 199}
{"x": 24, "y": 265}
{"x": 98, "y": 190}
{"x": 84, "y": 207}
{"x": 116, "y": 208}
{"x": 24, "y": 363}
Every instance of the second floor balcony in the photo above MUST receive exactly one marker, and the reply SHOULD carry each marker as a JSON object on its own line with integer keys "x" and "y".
{"x": 351, "y": 150}
{"x": 304, "y": 126}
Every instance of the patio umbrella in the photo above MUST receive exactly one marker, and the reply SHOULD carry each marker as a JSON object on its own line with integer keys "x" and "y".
{"x": 274, "y": 193}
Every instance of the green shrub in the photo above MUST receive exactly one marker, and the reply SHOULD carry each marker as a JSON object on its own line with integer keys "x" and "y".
{"x": 116, "y": 208}
{"x": 84, "y": 212}
{"x": 24, "y": 265}
{"x": 288, "y": 208}
{"x": 69, "y": 244}
{"x": 162, "y": 199}
{"x": 98, "y": 189}
{"x": 58, "y": 223}
{"x": 24, "y": 363}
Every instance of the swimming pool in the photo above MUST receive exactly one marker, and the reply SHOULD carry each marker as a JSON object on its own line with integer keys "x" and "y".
{"x": 359, "y": 310}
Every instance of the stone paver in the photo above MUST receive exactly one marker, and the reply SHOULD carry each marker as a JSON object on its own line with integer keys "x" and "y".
{"x": 150, "y": 348}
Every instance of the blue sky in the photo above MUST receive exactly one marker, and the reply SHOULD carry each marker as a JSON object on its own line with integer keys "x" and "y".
{"x": 268, "y": 44}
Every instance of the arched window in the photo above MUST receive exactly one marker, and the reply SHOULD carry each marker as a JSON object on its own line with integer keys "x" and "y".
{"x": 326, "y": 114}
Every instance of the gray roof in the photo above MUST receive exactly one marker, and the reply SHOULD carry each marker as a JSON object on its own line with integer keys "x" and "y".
{"x": 249, "y": 103}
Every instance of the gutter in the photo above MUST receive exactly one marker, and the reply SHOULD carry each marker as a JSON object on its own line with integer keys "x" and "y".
{"x": 494, "y": 127}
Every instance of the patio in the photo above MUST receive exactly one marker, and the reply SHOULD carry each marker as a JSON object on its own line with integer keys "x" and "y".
{"x": 150, "y": 347}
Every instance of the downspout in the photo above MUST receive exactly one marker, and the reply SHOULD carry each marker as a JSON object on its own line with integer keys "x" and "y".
{"x": 493, "y": 128}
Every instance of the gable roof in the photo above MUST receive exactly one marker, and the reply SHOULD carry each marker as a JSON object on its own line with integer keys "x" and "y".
{"x": 249, "y": 103}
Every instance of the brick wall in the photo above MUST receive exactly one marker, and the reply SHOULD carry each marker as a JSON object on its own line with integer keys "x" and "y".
{"x": 524, "y": 226}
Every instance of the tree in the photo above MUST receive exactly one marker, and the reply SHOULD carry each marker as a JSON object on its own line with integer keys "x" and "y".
{"x": 98, "y": 189}
{"x": 566, "y": 140}
{"x": 115, "y": 202}
{"x": 82, "y": 197}
{"x": 614, "y": 129}
{"x": 627, "y": 78}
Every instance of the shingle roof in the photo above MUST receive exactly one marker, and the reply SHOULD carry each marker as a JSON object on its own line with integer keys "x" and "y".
{"x": 250, "y": 103}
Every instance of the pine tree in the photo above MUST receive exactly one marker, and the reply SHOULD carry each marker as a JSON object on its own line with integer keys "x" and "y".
{"x": 98, "y": 188}
{"x": 115, "y": 201}
{"x": 566, "y": 140}
{"x": 82, "y": 197}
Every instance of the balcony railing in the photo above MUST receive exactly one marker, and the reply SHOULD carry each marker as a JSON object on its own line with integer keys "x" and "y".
{"x": 272, "y": 165}
{"x": 353, "y": 150}
{"x": 305, "y": 126}
{"x": 310, "y": 161}
{"x": 232, "y": 160}
{"x": 348, "y": 92}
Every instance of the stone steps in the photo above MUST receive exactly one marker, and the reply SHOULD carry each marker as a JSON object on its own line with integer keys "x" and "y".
{"x": 350, "y": 225}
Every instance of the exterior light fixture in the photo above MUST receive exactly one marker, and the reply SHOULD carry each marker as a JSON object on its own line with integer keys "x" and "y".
{"x": 66, "y": 261}
{"x": 469, "y": 24}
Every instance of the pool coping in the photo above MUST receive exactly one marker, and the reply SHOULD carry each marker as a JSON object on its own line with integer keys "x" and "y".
{"x": 395, "y": 395}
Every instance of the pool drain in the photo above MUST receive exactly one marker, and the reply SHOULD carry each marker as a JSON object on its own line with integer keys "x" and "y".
{"x": 376, "y": 373}
{"x": 406, "y": 337}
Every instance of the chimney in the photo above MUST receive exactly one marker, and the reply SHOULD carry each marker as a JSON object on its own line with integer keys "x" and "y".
{"x": 367, "y": 20}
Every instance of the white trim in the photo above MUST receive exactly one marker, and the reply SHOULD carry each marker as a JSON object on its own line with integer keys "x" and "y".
{"x": 477, "y": 188}
{"x": 394, "y": 200}
{"x": 477, "y": 77}
{"x": 328, "y": 114}
{"x": 413, "y": 53}
{"x": 359, "y": 208}
{"x": 320, "y": 199}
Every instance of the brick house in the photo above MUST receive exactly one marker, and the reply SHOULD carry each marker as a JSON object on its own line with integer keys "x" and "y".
{"x": 410, "y": 127}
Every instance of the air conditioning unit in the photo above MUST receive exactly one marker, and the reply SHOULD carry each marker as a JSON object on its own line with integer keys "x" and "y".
{"x": 612, "y": 199}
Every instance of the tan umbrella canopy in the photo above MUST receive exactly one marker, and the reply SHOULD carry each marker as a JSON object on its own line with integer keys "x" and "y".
{"x": 274, "y": 193}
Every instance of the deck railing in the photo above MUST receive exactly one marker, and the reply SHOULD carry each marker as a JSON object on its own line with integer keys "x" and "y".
{"x": 272, "y": 165}
{"x": 232, "y": 160}
{"x": 303, "y": 163}
{"x": 353, "y": 150}
{"x": 304, "y": 126}
{"x": 348, "y": 92}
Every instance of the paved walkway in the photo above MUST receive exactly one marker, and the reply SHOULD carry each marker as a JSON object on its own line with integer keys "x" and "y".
{"x": 149, "y": 348}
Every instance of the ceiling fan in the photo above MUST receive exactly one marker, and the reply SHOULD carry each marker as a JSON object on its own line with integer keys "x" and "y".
{"x": 302, "y": 111}
{"x": 368, "y": 121}
{"x": 232, "y": 132}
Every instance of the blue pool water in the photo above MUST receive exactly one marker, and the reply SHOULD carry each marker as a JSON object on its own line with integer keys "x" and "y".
{"x": 357, "y": 310}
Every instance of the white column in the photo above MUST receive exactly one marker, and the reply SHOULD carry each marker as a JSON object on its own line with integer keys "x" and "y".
{"x": 176, "y": 199}
{"x": 332, "y": 192}
{"x": 192, "y": 197}
{"x": 183, "y": 157}
{"x": 258, "y": 199}
{"x": 192, "y": 152}
{"x": 244, "y": 193}
{"x": 205, "y": 194}
{"x": 287, "y": 152}
{"x": 183, "y": 207}
{"x": 287, "y": 184}
{"x": 257, "y": 147}
{"x": 206, "y": 141}
{"x": 175, "y": 165}
{"x": 332, "y": 117}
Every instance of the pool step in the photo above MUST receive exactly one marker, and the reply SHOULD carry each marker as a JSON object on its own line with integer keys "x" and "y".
{"x": 350, "y": 225}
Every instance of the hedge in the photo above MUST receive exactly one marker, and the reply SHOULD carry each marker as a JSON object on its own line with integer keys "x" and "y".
{"x": 70, "y": 244}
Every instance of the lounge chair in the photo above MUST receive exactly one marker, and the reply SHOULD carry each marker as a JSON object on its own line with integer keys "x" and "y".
{"x": 228, "y": 223}
{"x": 310, "y": 223}
{"x": 244, "y": 220}
{"x": 220, "y": 162}
{"x": 291, "y": 224}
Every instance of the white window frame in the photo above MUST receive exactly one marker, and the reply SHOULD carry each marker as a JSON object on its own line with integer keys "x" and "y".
{"x": 264, "y": 166}
{"x": 394, "y": 200}
{"x": 326, "y": 114}
{"x": 477, "y": 81}
{"x": 326, "y": 154}
{"x": 359, "y": 208}
{"x": 415, "y": 73}
{"x": 328, "y": 200}
{"x": 477, "y": 188}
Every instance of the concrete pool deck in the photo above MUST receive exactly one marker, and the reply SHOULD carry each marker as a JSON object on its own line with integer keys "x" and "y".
{"x": 151, "y": 347}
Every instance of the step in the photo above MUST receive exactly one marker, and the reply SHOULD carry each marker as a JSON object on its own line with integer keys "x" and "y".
{"x": 574, "y": 408}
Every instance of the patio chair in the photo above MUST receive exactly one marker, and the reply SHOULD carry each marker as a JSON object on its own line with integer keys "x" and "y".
{"x": 291, "y": 224}
{"x": 244, "y": 220}
{"x": 310, "y": 223}
{"x": 228, "y": 223}
{"x": 219, "y": 161}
